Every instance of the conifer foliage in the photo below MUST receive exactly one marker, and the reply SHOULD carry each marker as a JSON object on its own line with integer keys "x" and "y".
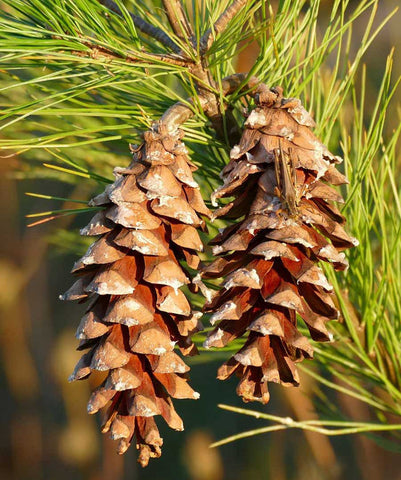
{"x": 279, "y": 180}
{"x": 132, "y": 275}
{"x": 79, "y": 73}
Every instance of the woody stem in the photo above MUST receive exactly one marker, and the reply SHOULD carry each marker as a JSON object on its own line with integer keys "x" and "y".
{"x": 145, "y": 27}
{"x": 221, "y": 24}
{"x": 179, "y": 113}
{"x": 178, "y": 19}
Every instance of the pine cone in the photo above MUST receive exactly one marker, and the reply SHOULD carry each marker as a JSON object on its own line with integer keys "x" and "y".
{"x": 279, "y": 176}
{"x": 132, "y": 277}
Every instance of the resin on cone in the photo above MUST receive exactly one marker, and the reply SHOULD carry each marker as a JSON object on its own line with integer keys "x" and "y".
{"x": 131, "y": 276}
{"x": 279, "y": 185}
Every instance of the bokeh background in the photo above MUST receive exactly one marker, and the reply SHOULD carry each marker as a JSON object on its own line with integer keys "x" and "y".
{"x": 45, "y": 431}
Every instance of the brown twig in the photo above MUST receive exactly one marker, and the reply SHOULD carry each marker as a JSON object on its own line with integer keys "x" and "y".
{"x": 179, "y": 113}
{"x": 145, "y": 27}
{"x": 178, "y": 19}
{"x": 203, "y": 79}
{"x": 221, "y": 24}
{"x": 205, "y": 84}
{"x": 233, "y": 82}
{"x": 97, "y": 51}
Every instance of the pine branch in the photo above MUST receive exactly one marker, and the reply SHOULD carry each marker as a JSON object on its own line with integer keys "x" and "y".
{"x": 179, "y": 113}
{"x": 96, "y": 51}
{"x": 178, "y": 19}
{"x": 145, "y": 27}
{"x": 220, "y": 25}
{"x": 204, "y": 81}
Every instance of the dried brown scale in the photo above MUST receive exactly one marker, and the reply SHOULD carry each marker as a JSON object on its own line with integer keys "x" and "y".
{"x": 278, "y": 183}
{"x": 132, "y": 276}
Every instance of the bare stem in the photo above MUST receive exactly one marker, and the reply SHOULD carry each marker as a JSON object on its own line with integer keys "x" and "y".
{"x": 232, "y": 83}
{"x": 97, "y": 52}
{"x": 145, "y": 27}
{"x": 221, "y": 24}
{"x": 178, "y": 19}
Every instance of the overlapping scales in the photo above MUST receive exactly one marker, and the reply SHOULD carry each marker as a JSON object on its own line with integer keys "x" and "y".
{"x": 132, "y": 276}
{"x": 269, "y": 258}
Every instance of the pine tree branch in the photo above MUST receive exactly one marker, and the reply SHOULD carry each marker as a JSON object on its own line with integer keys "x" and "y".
{"x": 97, "y": 52}
{"x": 202, "y": 76}
{"x": 178, "y": 19}
{"x": 220, "y": 25}
{"x": 145, "y": 27}
{"x": 179, "y": 113}
{"x": 233, "y": 82}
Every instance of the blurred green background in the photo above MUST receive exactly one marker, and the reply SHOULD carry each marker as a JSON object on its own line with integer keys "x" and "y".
{"x": 45, "y": 431}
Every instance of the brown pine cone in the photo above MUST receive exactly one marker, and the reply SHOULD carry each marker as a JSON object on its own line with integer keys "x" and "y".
{"x": 132, "y": 277}
{"x": 278, "y": 180}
